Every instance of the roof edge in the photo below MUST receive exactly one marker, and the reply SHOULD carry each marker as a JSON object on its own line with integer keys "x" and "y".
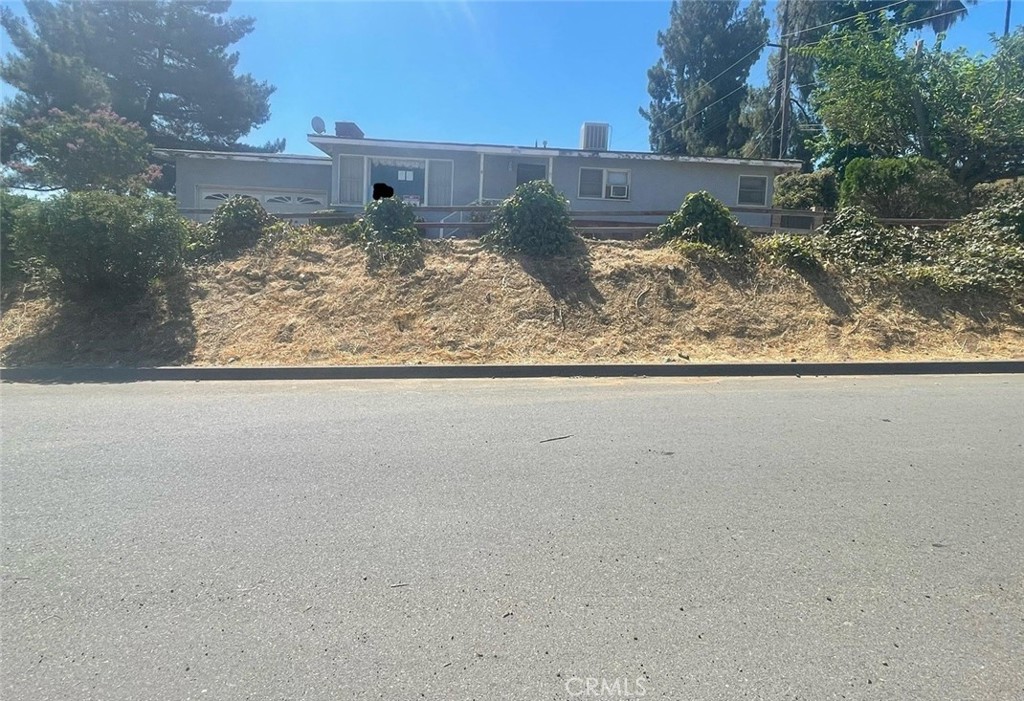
{"x": 173, "y": 153}
{"x": 324, "y": 139}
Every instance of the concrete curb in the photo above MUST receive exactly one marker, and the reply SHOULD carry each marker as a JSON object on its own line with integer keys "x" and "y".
{"x": 59, "y": 375}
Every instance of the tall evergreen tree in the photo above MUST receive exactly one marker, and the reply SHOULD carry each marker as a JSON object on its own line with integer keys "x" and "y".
{"x": 698, "y": 85}
{"x": 163, "y": 65}
{"x": 803, "y": 22}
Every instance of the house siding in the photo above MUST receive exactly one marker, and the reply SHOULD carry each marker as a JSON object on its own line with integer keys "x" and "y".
{"x": 193, "y": 173}
{"x": 662, "y": 185}
{"x": 655, "y": 184}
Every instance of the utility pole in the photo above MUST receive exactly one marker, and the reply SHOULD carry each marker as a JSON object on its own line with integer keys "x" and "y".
{"x": 784, "y": 94}
{"x": 1006, "y": 26}
{"x": 784, "y": 126}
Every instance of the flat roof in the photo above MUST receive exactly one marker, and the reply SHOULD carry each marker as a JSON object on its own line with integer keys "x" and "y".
{"x": 242, "y": 156}
{"x": 326, "y": 140}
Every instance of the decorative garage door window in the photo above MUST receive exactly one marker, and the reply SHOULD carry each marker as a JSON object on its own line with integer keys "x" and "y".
{"x": 273, "y": 201}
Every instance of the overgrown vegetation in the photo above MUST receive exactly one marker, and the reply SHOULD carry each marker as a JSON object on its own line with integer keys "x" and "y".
{"x": 791, "y": 250}
{"x": 97, "y": 244}
{"x": 902, "y": 188}
{"x": 236, "y": 225}
{"x": 387, "y": 233}
{"x": 987, "y": 194}
{"x": 9, "y": 259}
{"x": 983, "y": 251}
{"x": 534, "y": 220}
{"x": 702, "y": 219}
{"x": 806, "y": 190}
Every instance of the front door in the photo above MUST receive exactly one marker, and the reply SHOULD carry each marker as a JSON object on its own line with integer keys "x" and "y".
{"x": 525, "y": 172}
{"x": 407, "y": 179}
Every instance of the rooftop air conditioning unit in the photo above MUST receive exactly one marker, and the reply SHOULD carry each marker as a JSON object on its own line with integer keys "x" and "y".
{"x": 594, "y": 136}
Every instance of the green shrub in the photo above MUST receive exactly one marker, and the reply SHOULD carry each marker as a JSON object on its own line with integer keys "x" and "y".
{"x": 983, "y": 251}
{"x": 1003, "y": 219}
{"x": 9, "y": 258}
{"x": 703, "y": 219}
{"x": 387, "y": 233}
{"x": 855, "y": 239}
{"x": 290, "y": 238}
{"x": 792, "y": 250}
{"x": 534, "y": 220}
{"x": 99, "y": 244}
{"x": 901, "y": 188}
{"x": 806, "y": 190}
{"x": 988, "y": 194}
{"x": 237, "y": 224}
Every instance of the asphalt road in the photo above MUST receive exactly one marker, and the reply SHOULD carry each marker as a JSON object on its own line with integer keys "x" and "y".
{"x": 858, "y": 538}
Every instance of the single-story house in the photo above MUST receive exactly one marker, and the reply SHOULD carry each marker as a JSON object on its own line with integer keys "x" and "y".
{"x": 441, "y": 174}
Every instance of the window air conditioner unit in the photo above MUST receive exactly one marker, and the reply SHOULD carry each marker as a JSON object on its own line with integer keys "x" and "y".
{"x": 619, "y": 192}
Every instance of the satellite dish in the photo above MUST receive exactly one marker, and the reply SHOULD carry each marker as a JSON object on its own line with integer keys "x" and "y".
{"x": 318, "y": 125}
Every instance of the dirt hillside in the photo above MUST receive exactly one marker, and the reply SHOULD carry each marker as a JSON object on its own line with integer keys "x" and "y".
{"x": 620, "y": 302}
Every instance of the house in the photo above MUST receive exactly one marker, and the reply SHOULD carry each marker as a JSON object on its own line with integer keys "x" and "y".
{"x": 440, "y": 174}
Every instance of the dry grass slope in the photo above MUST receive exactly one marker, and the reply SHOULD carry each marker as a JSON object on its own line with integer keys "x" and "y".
{"x": 615, "y": 302}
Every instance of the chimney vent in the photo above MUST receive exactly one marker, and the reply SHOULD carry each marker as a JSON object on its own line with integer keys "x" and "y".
{"x": 348, "y": 130}
{"x": 594, "y": 136}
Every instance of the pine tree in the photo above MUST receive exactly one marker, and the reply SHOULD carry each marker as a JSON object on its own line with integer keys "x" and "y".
{"x": 163, "y": 65}
{"x": 698, "y": 86}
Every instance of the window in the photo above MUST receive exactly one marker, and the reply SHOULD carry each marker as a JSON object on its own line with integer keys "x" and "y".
{"x": 616, "y": 184}
{"x": 602, "y": 183}
{"x": 527, "y": 172}
{"x": 280, "y": 201}
{"x": 753, "y": 190}
{"x": 591, "y": 182}
{"x": 405, "y": 175}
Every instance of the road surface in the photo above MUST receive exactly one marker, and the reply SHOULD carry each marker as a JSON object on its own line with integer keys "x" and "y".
{"x": 857, "y": 538}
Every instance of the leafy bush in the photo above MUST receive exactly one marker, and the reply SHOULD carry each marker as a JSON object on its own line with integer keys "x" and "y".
{"x": 855, "y": 239}
{"x": 902, "y": 188}
{"x": 988, "y": 194}
{"x": 534, "y": 220}
{"x": 9, "y": 258}
{"x": 703, "y": 219}
{"x": 102, "y": 244}
{"x": 290, "y": 238}
{"x": 387, "y": 233}
{"x": 806, "y": 190}
{"x": 237, "y": 224}
{"x": 1004, "y": 219}
{"x": 793, "y": 250}
{"x": 983, "y": 251}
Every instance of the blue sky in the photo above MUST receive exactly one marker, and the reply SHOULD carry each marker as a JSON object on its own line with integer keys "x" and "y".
{"x": 490, "y": 72}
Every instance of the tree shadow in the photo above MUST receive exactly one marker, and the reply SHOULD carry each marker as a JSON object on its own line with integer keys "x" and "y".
{"x": 827, "y": 289}
{"x": 159, "y": 329}
{"x": 980, "y": 307}
{"x": 566, "y": 277}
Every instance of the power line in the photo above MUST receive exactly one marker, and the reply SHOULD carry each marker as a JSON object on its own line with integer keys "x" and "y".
{"x": 845, "y": 19}
{"x": 697, "y": 114}
{"x": 770, "y": 129}
{"x": 683, "y": 98}
{"x": 894, "y": 26}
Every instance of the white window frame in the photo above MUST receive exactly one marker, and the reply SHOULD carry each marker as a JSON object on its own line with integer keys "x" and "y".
{"x": 604, "y": 183}
{"x": 739, "y": 181}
